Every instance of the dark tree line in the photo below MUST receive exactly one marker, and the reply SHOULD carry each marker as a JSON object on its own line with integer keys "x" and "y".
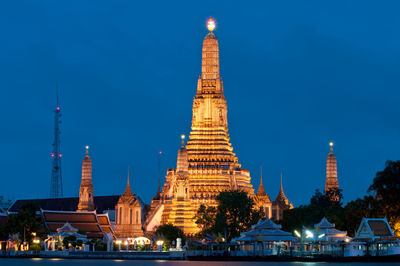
{"x": 383, "y": 200}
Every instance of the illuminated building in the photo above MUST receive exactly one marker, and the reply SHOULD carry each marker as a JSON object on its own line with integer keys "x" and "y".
{"x": 207, "y": 164}
{"x": 86, "y": 190}
{"x": 331, "y": 181}
{"x": 280, "y": 204}
{"x": 128, "y": 215}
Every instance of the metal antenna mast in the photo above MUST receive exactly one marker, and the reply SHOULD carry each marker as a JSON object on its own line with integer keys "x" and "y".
{"x": 56, "y": 187}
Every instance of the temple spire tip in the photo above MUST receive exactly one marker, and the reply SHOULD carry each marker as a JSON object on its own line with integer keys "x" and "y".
{"x": 210, "y": 24}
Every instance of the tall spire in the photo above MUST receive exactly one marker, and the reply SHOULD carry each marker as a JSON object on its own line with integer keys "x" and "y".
{"x": 331, "y": 181}
{"x": 56, "y": 187}
{"x": 128, "y": 190}
{"x": 210, "y": 54}
{"x": 182, "y": 164}
{"x": 86, "y": 202}
{"x": 261, "y": 190}
{"x": 281, "y": 198}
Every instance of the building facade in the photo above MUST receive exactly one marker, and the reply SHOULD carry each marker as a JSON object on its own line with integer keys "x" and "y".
{"x": 128, "y": 215}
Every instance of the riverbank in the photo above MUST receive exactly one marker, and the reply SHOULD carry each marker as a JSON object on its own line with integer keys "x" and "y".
{"x": 182, "y": 255}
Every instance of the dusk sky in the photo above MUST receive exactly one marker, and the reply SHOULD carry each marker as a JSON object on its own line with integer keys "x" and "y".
{"x": 297, "y": 74}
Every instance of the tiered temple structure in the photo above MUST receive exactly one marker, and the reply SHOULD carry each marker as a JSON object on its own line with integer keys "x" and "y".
{"x": 207, "y": 164}
{"x": 128, "y": 215}
{"x": 331, "y": 181}
{"x": 280, "y": 204}
{"x": 86, "y": 202}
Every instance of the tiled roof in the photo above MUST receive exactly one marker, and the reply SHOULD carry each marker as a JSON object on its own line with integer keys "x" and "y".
{"x": 101, "y": 203}
{"x": 380, "y": 228}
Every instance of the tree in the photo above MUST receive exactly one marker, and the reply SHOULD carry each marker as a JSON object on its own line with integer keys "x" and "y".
{"x": 235, "y": 214}
{"x": 205, "y": 218}
{"x": 386, "y": 191}
{"x": 169, "y": 233}
{"x": 25, "y": 222}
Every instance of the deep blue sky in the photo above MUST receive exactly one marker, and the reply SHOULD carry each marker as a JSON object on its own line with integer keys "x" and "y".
{"x": 296, "y": 74}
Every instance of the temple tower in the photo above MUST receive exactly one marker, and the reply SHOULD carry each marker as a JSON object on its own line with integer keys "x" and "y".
{"x": 262, "y": 199}
{"x": 128, "y": 215}
{"x": 207, "y": 165}
{"x": 331, "y": 181}
{"x": 281, "y": 203}
{"x": 86, "y": 202}
{"x": 213, "y": 167}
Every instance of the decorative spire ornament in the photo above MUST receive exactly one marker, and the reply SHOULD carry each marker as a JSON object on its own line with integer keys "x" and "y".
{"x": 210, "y": 24}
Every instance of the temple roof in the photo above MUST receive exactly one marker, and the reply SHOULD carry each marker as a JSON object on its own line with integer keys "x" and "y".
{"x": 281, "y": 198}
{"x": 261, "y": 191}
{"x": 324, "y": 223}
{"x": 101, "y": 203}
{"x": 128, "y": 191}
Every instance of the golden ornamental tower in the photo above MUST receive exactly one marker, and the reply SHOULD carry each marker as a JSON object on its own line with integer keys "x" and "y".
{"x": 331, "y": 181}
{"x": 213, "y": 167}
{"x": 86, "y": 191}
{"x": 207, "y": 165}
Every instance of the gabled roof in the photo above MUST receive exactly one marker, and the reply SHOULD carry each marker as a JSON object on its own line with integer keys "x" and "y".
{"x": 83, "y": 221}
{"x": 373, "y": 228}
{"x": 101, "y": 203}
{"x": 266, "y": 230}
{"x": 266, "y": 224}
{"x": 324, "y": 223}
{"x": 67, "y": 227}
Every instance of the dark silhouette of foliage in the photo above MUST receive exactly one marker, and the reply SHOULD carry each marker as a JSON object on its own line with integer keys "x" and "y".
{"x": 384, "y": 202}
{"x": 24, "y": 221}
{"x": 235, "y": 214}
{"x": 169, "y": 233}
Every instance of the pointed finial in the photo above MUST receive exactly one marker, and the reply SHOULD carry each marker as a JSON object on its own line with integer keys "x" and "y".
{"x": 183, "y": 140}
{"x": 87, "y": 149}
{"x": 210, "y": 24}
{"x": 281, "y": 180}
{"x": 261, "y": 175}
{"x": 128, "y": 177}
{"x": 331, "y": 145}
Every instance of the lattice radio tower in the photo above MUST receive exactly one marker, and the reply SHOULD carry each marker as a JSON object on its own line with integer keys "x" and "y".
{"x": 56, "y": 187}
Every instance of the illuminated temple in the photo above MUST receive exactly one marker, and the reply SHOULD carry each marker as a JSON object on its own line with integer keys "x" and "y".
{"x": 207, "y": 164}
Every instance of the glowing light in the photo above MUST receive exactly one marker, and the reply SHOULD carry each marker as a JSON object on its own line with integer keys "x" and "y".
{"x": 321, "y": 236}
{"x": 297, "y": 233}
{"x": 211, "y": 24}
{"x": 60, "y": 155}
{"x": 118, "y": 242}
{"x": 160, "y": 152}
{"x": 309, "y": 234}
{"x": 347, "y": 240}
{"x": 58, "y": 108}
{"x": 52, "y": 154}
{"x": 331, "y": 144}
{"x": 182, "y": 137}
{"x": 160, "y": 243}
{"x": 87, "y": 147}
{"x": 126, "y": 242}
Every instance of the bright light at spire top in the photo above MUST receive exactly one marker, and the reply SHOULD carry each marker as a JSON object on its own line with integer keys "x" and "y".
{"x": 331, "y": 144}
{"x": 211, "y": 24}
{"x": 182, "y": 137}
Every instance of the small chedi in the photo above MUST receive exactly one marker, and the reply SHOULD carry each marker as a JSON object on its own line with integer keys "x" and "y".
{"x": 86, "y": 202}
{"x": 331, "y": 181}
{"x": 207, "y": 164}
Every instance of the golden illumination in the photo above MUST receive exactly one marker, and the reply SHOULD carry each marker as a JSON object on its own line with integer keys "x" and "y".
{"x": 331, "y": 144}
{"x": 211, "y": 24}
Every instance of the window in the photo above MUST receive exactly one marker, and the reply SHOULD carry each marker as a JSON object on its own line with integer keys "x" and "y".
{"x": 120, "y": 215}
{"x": 130, "y": 215}
{"x": 137, "y": 217}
